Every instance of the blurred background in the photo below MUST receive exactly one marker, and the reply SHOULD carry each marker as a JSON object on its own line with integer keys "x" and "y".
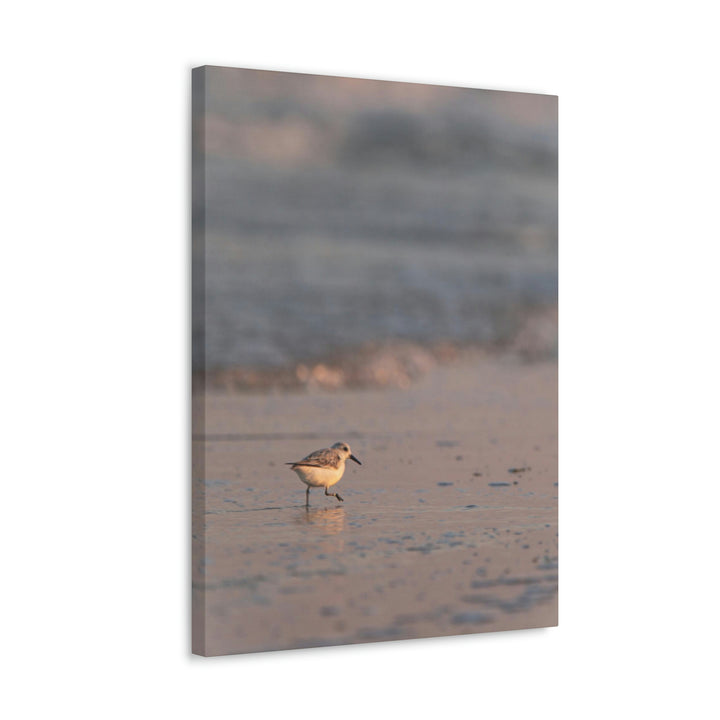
{"x": 358, "y": 231}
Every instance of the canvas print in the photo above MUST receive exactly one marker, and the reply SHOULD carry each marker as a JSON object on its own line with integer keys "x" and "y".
{"x": 374, "y": 361}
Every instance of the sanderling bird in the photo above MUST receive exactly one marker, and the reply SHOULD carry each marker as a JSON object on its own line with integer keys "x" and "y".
{"x": 323, "y": 468}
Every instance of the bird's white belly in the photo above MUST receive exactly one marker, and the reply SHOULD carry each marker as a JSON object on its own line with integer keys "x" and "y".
{"x": 319, "y": 477}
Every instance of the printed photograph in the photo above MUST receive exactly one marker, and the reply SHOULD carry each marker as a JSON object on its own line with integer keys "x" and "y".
{"x": 374, "y": 361}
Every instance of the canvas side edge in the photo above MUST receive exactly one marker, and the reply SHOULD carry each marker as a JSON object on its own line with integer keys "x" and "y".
{"x": 197, "y": 264}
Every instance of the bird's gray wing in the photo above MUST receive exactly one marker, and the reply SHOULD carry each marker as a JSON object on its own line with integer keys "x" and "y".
{"x": 320, "y": 458}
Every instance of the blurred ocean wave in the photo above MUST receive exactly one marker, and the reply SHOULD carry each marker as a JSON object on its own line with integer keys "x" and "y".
{"x": 347, "y": 214}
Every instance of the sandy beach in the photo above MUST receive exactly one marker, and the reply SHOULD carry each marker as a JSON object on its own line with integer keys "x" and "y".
{"x": 449, "y": 527}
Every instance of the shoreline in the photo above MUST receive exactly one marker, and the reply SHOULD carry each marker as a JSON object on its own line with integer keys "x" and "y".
{"x": 391, "y": 364}
{"x": 449, "y": 527}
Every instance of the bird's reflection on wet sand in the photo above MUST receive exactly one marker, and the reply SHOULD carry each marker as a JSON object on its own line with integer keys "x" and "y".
{"x": 324, "y": 520}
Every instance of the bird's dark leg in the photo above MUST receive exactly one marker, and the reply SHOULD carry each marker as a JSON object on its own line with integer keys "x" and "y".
{"x": 307, "y": 497}
{"x": 335, "y": 495}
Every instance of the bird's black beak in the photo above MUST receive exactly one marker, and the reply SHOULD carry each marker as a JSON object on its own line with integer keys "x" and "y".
{"x": 352, "y": 457}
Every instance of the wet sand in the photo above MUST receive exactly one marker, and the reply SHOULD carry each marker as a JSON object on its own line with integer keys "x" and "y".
{"x": 449, "y": 527}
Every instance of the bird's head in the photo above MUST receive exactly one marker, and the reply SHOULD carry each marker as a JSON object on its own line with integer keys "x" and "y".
{"x": 344, "y": 449}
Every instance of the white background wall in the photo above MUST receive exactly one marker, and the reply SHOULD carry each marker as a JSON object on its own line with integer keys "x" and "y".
{"x": 94, "y": 299}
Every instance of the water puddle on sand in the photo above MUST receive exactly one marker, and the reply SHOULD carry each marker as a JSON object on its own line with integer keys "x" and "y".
{"x": 361, "y": 571}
